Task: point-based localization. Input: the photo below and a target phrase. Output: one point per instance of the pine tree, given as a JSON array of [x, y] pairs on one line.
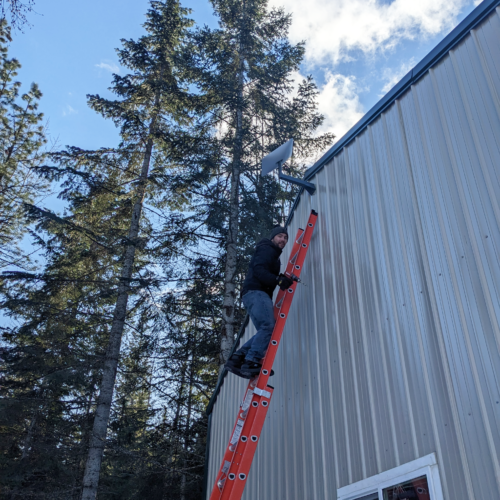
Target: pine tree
[[150, 98], [54, 358], [103, 188], [54, 353], [21, 139], [244, 70]]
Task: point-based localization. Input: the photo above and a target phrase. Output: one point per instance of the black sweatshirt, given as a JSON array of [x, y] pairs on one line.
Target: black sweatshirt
[[264, 268]]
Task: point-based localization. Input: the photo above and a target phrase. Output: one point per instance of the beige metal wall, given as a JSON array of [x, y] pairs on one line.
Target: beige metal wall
[[392, 350]]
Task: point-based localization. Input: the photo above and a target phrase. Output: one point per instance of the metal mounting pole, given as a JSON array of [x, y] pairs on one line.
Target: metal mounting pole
[[308, 186]]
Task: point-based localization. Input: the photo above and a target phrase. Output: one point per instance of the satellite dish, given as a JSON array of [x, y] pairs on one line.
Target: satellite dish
[[277, 157]]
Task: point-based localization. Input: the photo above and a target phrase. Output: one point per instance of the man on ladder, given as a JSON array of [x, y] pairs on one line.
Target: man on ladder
[[262, 277]]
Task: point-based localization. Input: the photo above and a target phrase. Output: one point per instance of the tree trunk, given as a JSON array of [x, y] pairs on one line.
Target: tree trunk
[[187, 439], [98, 440], [31, 430], [174, 441], [84, 445], [228, 310]]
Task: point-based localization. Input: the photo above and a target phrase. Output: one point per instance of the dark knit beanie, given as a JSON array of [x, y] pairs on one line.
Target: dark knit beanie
[[278, 230]]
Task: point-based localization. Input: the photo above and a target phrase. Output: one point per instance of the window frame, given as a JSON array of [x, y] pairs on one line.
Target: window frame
[[426, 465]]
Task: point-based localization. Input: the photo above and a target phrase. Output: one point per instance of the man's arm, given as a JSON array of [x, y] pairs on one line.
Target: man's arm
[[263, 261]]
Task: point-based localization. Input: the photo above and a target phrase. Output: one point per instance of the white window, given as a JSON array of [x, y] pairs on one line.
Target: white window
[[417, 480]]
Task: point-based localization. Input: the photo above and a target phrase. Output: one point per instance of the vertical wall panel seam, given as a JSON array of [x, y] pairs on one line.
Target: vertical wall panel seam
[[416, 321], [313, 362], [309, 361], [296, 457], [379, 324], [302, 412], [316, 365], [396, 318], [339, 347], [471, 357], [378, 327], [325, 309], [359, 293], [309, 444], [286, 425], [355, 371]]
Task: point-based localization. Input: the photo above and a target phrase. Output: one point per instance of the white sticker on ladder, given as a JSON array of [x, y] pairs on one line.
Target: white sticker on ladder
[[237, 431], [246, 402]]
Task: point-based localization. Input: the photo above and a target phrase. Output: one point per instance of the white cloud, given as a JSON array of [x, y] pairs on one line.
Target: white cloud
[[68, 110], [392, 75], [109, 66], [339, 102], [334, 29]]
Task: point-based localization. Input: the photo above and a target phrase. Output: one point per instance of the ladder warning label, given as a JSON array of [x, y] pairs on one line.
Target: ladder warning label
[[237, 431], [246, 402]]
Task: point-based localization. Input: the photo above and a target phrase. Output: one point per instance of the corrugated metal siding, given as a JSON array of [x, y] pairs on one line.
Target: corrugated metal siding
[[392, 350]]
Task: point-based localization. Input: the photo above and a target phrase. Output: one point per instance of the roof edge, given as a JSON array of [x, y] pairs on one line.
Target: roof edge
[[482, 11]]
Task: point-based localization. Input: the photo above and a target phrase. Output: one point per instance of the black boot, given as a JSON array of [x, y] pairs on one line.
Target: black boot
[[233, 364], [250, 369]]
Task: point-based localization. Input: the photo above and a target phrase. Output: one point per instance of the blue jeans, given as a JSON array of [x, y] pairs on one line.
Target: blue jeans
[[261, 310]]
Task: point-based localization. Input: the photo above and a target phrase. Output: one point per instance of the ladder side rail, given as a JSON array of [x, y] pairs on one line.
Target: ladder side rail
[[241, 476], [298, 262], [233, 488], [231, 447], [288, 270]]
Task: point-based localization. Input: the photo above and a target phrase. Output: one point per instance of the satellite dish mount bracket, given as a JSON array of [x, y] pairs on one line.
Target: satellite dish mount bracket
[[308, 186]]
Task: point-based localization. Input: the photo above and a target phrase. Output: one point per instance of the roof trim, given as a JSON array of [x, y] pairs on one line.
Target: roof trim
[[482, 11]]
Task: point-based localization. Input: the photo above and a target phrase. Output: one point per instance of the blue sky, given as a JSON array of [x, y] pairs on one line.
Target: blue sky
[[356, 50]]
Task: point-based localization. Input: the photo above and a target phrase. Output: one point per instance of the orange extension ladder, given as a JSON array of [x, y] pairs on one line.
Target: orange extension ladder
[[233, 473]]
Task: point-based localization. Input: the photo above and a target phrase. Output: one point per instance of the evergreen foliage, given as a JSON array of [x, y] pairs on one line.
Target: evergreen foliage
[[114, 346], [55, 353], [21, 139]]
